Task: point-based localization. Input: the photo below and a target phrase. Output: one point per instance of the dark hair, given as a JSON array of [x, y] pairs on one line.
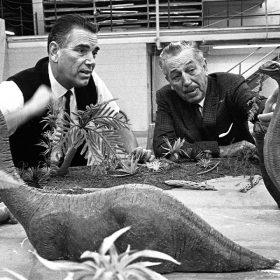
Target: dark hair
[[65, 24], [174, 48]]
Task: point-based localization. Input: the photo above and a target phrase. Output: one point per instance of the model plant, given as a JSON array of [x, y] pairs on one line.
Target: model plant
[[255, 101], [108, 264], [94, 129], [175, 151]]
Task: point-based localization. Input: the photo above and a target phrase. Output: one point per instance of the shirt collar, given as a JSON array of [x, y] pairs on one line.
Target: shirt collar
[[57, 89], [201, 103]]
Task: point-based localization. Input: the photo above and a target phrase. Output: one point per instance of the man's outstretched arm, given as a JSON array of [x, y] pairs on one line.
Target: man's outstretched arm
[[33, 107]]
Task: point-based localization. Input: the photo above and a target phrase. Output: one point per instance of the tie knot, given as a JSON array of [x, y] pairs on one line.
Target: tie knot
[[197, 107], [68, 94]]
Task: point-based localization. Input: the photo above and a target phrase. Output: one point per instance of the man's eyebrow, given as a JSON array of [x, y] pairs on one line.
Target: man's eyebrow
[[189, 62], [83, 46], [185, 65], [86, 46], [174, 71]]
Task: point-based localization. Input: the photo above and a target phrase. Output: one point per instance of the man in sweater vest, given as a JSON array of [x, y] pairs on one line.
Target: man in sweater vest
[[69, 67]]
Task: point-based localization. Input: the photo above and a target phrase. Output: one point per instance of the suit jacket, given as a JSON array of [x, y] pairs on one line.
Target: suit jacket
[[24, 142], [225, 115]]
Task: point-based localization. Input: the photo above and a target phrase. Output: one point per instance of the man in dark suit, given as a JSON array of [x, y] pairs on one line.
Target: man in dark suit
[[210, 111]]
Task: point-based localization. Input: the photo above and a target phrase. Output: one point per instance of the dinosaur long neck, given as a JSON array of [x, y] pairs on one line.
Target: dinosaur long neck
[[271, 146], [21, 200]]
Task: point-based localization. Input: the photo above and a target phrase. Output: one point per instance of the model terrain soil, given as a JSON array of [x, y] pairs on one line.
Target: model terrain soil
[[80, 178]]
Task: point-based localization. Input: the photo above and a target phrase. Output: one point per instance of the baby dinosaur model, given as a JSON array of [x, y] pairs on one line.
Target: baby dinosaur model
[[268, 144], [61, 226]]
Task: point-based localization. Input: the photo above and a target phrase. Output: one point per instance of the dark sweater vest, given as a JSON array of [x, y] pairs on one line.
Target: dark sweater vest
[[24, 142]]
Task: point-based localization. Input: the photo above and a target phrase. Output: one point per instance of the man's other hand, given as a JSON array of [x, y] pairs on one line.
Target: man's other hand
[[33, 107], [142, 155], [40, 100], [269, 108], [236, 149]]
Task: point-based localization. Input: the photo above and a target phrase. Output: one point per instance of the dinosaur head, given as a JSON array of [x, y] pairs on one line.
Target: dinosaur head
[[272, 69]]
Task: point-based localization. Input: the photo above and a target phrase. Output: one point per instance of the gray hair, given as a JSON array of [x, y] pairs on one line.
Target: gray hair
[[174, 48]]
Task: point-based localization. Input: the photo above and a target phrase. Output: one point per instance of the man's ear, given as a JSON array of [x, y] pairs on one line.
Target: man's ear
[[205, 67], [167, 79], [53, 51]]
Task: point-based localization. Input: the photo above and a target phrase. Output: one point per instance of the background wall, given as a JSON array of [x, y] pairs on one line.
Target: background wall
[[124, 69]]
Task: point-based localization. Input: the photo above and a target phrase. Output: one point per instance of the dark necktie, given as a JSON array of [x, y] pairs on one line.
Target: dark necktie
[[67, 97], [197, 115]]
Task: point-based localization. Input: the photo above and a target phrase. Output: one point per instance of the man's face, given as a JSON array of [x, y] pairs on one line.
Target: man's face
[[187, 76], [76, 58]]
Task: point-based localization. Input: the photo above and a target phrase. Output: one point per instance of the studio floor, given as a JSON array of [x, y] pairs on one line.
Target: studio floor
[[251, 219]]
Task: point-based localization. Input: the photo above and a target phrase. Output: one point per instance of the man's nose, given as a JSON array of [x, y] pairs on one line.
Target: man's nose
[[186, 80], [90, 59]]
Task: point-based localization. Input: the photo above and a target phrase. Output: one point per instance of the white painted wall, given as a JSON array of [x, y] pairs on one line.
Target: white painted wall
[[124, 68]]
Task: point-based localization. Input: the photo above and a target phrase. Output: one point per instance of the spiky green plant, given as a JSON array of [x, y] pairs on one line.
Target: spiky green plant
[[35, 176], [108, 264], [194, 154], [205, 163], [48, 144], [156, 165], [94, 129], [128, 167], [51, 119], [174, 151], [16, 275]]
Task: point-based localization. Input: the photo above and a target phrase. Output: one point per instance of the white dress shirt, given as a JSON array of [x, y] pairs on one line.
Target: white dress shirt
[[201, 103]]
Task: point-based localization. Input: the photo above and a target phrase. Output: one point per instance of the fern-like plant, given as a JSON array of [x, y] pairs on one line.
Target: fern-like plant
[[94, 129]]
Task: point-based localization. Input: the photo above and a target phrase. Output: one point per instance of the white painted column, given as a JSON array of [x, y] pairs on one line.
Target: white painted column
[[2, 47], [157, 26], [38, 16]]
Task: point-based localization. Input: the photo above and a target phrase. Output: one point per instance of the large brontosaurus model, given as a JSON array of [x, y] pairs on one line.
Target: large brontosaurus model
[[268, 143], [64, 226]]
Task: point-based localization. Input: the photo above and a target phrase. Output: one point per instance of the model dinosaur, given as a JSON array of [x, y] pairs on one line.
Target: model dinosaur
[[62, 226], [268, 141]]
